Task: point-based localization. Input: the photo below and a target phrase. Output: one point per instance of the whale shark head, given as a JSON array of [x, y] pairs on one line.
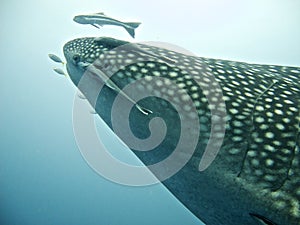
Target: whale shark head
[[82, 52], [255, 175]]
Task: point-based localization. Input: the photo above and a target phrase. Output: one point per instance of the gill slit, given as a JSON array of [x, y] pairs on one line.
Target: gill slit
[[252, 125]]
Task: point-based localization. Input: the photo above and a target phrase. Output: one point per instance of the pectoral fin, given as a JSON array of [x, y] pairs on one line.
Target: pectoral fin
[[96, 25]]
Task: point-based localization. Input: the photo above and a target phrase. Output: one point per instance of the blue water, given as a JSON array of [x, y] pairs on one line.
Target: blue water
[[43, 178]]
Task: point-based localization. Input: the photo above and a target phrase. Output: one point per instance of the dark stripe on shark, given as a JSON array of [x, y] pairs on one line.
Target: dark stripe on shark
[[262, 219]]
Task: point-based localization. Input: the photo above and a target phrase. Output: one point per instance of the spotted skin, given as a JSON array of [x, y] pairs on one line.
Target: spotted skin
[[257, 169]]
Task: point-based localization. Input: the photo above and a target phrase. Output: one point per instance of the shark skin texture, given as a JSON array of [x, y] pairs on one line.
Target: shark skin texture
[[255, 176]]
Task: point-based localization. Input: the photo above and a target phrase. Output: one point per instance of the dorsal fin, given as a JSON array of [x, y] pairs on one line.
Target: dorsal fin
[[100, 13]]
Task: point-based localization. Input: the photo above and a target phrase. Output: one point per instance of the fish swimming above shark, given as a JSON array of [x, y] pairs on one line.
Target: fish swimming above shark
[[255, 176], [100, 19], [55, 58]]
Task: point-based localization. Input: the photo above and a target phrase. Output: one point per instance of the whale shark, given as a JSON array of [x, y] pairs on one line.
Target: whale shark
[[251, 173]]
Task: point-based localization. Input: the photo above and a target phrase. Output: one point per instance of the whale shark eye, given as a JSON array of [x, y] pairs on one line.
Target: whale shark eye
[[76, 58]]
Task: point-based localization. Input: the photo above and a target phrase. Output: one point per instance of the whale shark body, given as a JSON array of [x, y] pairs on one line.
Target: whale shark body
[[254, 178]]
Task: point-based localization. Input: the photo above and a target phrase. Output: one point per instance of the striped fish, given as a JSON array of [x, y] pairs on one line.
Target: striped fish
[[100, 19]]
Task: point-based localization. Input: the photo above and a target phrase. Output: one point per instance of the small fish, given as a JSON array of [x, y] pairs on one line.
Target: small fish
[[55, 58], [93, 112], [60, 71], [81, 96], [100, 19]]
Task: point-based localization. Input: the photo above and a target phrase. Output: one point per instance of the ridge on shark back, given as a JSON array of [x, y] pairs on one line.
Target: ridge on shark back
[[255, 177]]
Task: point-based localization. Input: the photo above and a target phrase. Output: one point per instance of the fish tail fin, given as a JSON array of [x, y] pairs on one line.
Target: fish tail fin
[[133, 25], [130, 31], [130, 28]]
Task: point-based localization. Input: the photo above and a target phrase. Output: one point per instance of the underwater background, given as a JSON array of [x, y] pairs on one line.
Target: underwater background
[[43, 177]]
